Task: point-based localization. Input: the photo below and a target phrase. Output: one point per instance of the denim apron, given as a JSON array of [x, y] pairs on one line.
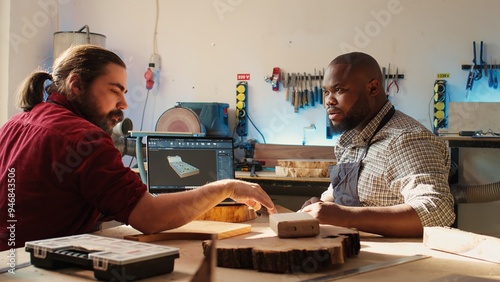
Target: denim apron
[[344, 177]]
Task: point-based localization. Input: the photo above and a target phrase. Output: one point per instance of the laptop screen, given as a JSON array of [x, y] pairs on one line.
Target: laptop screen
[[179, 163]]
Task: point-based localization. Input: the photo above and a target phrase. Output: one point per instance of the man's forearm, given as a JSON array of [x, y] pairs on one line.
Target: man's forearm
[[167, 211], [394, 221]]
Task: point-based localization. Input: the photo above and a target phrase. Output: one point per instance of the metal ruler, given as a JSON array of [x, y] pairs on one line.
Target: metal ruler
[[366, 268], [18, 266]]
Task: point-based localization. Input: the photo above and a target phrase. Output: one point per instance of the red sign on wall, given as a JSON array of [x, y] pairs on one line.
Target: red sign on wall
[[243, 76]]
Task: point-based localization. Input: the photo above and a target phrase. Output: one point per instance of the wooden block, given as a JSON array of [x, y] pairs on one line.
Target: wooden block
[[294, 225], [462, 243]]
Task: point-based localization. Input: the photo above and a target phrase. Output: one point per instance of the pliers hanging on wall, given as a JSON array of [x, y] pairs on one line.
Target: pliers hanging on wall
[[475, 72], [394, 80]]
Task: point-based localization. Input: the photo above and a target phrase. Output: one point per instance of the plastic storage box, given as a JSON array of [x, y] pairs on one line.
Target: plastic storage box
[[109, 258]]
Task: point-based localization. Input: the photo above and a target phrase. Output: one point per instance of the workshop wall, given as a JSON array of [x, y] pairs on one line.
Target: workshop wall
[[204, 44]]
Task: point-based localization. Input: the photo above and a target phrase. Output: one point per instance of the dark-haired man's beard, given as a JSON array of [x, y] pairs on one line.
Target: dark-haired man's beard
[[358, 112], [89, 109]]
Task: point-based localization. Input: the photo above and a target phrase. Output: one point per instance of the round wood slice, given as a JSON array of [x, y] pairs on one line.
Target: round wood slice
[[263, 250]]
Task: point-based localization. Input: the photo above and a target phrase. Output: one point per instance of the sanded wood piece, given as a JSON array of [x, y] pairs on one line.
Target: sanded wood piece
[[294, 225], [304, 167], [307, 163], [301, 172], [229, 213], [271, 153], [463, 243], [196, 230], [264, 251]]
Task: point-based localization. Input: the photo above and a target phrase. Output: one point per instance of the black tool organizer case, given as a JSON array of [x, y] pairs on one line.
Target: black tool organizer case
[[109, 258]]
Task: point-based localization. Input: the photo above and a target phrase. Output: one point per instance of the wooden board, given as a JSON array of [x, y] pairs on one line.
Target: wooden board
[[301, 172], [307, 163], [264, 251], [462, 243], [229, 213], [304, 167], [271, 153], [196, 230]]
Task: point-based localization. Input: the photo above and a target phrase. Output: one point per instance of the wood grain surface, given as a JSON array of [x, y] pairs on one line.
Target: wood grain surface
[[463, 243], [307, 163], [196, 230], [229, 213], [262, 250], [271, 153], [304, 167]]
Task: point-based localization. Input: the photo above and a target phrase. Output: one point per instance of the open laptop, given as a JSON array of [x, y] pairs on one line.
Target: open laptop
[[180, 163]]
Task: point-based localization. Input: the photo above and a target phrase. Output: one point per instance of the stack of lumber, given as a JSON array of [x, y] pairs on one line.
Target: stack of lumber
[[271, 153], [304, 167]]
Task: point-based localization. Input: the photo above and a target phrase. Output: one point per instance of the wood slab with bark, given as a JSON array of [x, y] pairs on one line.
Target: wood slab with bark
[[263, 250]]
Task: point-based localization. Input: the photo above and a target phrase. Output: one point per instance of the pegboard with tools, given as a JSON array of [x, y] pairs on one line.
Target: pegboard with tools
[[303, 90], [480, 69]]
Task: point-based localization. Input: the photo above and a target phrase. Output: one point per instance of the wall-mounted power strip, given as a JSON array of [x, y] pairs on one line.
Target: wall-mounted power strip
[[241, 108]]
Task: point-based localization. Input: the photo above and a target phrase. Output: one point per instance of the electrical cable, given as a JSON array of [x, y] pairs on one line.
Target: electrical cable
[[149, 75], [234, 130], [144, 110], [257, 129], [155, 41], [142, 122], [431, 116], [251, 121]]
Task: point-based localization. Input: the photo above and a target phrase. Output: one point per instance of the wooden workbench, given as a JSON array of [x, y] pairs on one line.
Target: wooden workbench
[[439, 267]]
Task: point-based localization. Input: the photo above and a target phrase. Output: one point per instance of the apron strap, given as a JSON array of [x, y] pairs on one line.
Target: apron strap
[[383, 122]]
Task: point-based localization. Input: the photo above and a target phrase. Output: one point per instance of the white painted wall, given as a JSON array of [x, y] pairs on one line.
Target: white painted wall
[[30, 24], [205, 43], [4, 57]]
